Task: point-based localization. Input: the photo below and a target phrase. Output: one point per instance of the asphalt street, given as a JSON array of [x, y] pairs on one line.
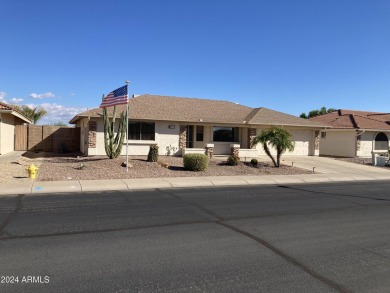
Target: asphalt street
[[324, 237]]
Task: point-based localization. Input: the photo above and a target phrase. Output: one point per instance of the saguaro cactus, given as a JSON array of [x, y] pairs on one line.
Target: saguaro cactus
[[113, 142]]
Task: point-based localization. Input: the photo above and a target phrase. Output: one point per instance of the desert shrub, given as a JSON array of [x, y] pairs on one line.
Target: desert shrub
[[153, 153], [195, 162], [254, 162], [233, 160], [62, 149]]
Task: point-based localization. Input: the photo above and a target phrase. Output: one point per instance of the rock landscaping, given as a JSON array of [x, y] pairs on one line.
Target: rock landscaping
[[53, 167]]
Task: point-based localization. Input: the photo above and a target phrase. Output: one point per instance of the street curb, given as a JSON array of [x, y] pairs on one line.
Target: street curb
[[72, 186]]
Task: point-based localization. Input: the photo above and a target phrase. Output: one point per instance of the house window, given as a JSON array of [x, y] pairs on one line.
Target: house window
[[228, 134], [141, 130], [199, 133], [323, 134], [381, 142]]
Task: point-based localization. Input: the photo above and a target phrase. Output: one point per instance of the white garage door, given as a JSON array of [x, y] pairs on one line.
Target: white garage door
[[302, 140]]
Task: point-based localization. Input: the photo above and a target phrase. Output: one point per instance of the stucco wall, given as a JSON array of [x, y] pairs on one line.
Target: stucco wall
[[164, 137], [366, 144], [7, 133], [338, 143]]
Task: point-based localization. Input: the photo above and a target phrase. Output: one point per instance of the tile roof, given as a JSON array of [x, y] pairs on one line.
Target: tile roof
[[5, 107], [350, 119], [13, 110], [167, 108]]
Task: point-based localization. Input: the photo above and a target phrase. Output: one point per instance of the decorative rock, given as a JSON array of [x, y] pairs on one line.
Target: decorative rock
[[125, 165]]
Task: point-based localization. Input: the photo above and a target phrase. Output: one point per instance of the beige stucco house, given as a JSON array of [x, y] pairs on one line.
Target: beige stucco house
[[9, 117], [190, 125], [354, 133]]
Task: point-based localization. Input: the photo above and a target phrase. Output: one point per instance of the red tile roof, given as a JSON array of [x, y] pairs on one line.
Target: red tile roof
[[5, 107], [13, 110], [350, 119]]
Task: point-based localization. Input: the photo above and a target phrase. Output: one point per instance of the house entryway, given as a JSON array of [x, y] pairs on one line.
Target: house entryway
[[190, 136]]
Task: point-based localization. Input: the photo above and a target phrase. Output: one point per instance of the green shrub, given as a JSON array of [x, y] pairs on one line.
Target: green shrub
[[195, 162], [153, 153], [233, 160], [254, 162]]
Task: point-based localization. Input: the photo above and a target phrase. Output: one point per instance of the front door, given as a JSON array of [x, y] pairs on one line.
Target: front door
[[190, 136]]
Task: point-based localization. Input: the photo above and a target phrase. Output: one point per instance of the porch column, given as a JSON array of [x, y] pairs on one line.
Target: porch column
[[317, 143], [209, 149], [235, 150], [251, 137], [183, 137], [92, 134]]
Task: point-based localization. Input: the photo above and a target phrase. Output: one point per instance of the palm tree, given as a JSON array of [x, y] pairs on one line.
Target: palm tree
[[278, 138], [34, 114]]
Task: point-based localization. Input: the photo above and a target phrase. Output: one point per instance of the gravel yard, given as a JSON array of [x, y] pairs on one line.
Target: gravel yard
[[53, 167]]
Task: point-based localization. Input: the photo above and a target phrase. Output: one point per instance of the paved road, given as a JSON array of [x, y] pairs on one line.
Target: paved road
[[295, 238]]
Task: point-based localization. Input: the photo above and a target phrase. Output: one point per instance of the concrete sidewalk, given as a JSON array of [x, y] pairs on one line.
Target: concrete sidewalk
[[36, 187], [326, 170]]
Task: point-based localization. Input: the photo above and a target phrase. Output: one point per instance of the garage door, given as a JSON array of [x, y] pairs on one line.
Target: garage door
[[302, 140]]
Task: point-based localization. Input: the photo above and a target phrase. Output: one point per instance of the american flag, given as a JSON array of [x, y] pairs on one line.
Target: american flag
[[116, 97]]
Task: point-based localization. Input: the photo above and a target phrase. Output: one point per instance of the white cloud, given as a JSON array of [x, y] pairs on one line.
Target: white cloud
[[16, 100], [42, 96], [2, 97], [57, 113]]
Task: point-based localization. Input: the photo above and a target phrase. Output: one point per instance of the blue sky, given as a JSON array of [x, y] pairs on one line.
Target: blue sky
[[292, 56]]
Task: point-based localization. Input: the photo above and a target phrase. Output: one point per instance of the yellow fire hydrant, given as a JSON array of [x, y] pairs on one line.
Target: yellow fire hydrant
[[32, 171]]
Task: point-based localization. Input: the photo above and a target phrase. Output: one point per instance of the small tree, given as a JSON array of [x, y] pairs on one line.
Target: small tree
[[113, 142], [34, 114], [278, 138], [314, 113]]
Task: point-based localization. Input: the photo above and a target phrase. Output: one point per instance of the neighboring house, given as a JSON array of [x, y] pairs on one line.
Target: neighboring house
[[354, 133], [189, 125], [9, 117]]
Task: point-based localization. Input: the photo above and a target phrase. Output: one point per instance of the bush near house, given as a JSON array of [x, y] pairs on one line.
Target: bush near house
[[254, 162], [153, 153], [233, 160], [195, 162]]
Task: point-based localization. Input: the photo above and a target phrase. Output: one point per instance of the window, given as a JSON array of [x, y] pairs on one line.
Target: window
[[228, 134], [199, 133], [323, 134], [381, 141], [141, 130]]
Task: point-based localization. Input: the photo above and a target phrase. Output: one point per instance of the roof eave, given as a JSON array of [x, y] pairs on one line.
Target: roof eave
[[293, 125], [17, 114]]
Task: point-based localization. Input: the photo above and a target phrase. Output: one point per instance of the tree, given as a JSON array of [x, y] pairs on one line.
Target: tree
[[278, 138], [314, 113], [113, 142], [34, 114]]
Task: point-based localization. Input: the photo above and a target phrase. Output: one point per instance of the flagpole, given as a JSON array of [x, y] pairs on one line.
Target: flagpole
[[127, 128]]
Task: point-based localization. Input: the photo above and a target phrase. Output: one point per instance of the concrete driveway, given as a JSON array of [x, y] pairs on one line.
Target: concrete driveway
[[328, 165]]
